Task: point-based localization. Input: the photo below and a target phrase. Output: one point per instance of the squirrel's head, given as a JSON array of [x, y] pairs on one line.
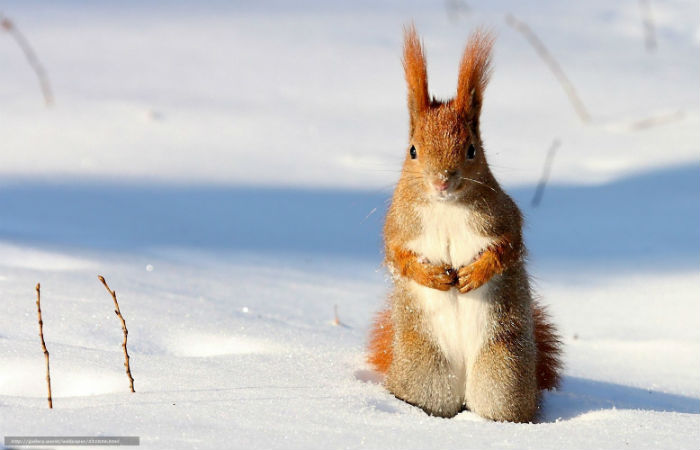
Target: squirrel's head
[[445, 152]]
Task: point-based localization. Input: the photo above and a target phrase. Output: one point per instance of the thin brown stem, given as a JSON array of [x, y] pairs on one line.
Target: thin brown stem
[[648, 23], [336, 320], [656, 120], [7, 25], [43, 344], [546, 169], [126, 332], [456, 8]]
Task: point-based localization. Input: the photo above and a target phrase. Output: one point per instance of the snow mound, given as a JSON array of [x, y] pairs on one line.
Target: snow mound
[[26, 378], [204, 345]]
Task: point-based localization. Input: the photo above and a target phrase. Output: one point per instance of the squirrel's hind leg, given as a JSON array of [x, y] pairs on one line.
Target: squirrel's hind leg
[[419, 373], [421, 376], [501, 384]]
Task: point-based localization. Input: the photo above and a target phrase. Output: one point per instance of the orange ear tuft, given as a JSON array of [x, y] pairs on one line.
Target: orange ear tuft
[[474, 73], [416, 74]]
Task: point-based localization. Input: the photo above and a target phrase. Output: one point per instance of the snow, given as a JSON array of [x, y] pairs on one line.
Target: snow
[[227, 168]]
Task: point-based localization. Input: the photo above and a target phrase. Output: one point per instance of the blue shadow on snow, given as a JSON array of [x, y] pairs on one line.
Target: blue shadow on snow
[[651, 218], [580, 396]]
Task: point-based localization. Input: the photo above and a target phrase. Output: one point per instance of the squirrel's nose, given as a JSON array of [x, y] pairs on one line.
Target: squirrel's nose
[[442, 181], [441, 185]]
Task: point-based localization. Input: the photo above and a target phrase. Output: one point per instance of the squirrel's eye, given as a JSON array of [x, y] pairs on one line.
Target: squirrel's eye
[[471, 152], [413, 152]]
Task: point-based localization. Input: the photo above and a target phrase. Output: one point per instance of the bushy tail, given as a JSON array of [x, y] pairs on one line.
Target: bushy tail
[[548, 343], [381, 341]]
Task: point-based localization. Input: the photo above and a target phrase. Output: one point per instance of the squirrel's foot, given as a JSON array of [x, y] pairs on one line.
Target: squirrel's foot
[[471, 277], [437, 276]]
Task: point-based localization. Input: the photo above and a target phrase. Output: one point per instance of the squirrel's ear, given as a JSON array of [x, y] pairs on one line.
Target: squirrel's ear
[[474, 73], [416, 74]]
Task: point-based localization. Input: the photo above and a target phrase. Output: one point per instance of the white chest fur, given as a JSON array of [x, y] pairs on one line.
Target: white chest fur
[[457, 322], [449, 234]]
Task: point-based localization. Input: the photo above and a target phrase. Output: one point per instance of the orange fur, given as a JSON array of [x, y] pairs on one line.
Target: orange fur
[[416, 74], [380, 342], [548, 343], [474, 73], [549, 363], [490, 262], [435, 276]]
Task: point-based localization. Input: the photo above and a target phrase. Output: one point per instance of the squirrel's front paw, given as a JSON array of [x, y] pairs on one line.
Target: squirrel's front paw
[[471, 277], [437, 276]]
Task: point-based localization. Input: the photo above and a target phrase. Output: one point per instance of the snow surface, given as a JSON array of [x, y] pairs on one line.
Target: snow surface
[[227, 167]]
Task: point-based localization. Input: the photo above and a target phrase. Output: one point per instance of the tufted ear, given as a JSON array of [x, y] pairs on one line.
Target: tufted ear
[[416, 74], [474, 73]]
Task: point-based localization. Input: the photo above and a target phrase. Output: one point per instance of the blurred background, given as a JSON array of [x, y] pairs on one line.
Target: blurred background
[[189, 117], [227, 167]]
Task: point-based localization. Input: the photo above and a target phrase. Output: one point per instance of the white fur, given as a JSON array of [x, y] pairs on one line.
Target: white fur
[[457, 322]]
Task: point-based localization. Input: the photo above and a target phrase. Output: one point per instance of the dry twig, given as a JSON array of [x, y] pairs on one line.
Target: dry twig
[[7, 25], [553, 65], [545, 173], [648, 23], [43, 344], [456, 8], [126, 332], [336, 320], [656, 120]]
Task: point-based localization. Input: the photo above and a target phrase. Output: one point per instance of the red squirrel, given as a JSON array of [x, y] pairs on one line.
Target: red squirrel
[[461, 329]]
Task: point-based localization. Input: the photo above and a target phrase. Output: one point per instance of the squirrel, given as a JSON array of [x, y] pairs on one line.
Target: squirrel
[[461, 329]]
